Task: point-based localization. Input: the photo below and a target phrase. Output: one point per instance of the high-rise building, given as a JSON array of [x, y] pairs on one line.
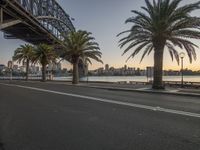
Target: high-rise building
[[106, 67], [125, 67], [149, 72], [10, 64]]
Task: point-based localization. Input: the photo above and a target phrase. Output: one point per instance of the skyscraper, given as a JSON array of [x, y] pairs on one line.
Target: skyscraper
[[106, 67]]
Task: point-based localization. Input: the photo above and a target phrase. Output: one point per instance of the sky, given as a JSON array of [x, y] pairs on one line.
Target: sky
[[105, 19]]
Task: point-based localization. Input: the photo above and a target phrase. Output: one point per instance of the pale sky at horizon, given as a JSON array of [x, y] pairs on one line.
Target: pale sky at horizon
[[105, 19]]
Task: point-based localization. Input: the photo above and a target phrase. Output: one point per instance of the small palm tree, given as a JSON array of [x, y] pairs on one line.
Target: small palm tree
[[44, 54], [79, 45], [163, 25], [24, 54]]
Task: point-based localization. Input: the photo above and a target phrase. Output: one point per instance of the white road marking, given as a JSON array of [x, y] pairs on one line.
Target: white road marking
[[152, 108]]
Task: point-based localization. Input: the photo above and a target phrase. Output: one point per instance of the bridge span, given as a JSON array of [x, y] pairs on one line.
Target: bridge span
[[34, 21]]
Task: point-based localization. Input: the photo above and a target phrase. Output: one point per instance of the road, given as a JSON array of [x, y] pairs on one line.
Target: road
[[51, 116]]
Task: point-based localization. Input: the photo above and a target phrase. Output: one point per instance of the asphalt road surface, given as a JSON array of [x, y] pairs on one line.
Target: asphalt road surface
[[50, 116]]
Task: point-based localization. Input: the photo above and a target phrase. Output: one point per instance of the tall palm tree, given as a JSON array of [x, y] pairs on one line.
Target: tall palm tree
[[24, 54], [44, 54], [163, 25], [79, 45]]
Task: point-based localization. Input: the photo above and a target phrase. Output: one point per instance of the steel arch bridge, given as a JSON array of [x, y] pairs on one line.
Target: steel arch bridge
[[34, 21]]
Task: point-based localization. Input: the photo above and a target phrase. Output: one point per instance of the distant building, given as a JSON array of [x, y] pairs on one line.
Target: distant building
[[34, 69], [22, 69], [106, 67], [2, 67], [15, 68], [50, 67], [111, 71], [59, 66], [10, 64], [143, 72], [125, 67], [100, 71], [137, 73], [37, 68], [54, 67], [149, 72], [171, 73]]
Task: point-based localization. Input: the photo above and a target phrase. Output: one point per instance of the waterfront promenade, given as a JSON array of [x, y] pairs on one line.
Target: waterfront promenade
[[60, 116], [173, 88]]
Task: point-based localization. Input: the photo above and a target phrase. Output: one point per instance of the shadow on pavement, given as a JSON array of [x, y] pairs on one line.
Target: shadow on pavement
[[2, 146]]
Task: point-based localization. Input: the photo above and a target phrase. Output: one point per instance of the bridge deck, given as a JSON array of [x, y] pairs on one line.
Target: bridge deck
[[17, 22]]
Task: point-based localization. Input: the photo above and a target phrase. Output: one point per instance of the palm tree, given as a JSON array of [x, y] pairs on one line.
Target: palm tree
[[163, 25], [24, 54], [44, 54], [79, 45]]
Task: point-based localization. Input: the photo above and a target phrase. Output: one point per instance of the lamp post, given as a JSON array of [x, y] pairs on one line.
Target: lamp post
[[182, 55], [87, 72]]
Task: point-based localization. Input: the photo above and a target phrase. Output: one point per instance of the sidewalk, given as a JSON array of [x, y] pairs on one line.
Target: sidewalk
[[132, 88], [141, 88]]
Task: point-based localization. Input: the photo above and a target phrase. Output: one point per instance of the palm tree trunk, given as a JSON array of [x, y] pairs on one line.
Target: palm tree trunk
[[27, 69], [43, 73], [75, 79], [158, 66]]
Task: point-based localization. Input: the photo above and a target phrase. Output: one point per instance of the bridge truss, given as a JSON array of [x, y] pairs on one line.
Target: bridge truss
[[34, 21]]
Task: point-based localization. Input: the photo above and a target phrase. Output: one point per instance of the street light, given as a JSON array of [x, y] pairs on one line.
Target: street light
[[182, 55], [87, 65]]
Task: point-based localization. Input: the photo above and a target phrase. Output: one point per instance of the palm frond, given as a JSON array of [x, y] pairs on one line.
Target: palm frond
[[173, 53], [81, 45], [23, 53], [163, 21], [147, 51], [138, 49]]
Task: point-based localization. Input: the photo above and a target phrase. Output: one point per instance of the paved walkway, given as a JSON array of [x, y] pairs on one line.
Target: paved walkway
[[141, 88], [132, 88]]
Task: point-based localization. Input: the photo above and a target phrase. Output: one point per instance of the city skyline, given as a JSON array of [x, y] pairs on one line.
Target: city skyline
[[105, 24], [105, 67]]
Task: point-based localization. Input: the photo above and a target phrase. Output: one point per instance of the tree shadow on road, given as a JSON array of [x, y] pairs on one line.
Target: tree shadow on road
[[2, 146]]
